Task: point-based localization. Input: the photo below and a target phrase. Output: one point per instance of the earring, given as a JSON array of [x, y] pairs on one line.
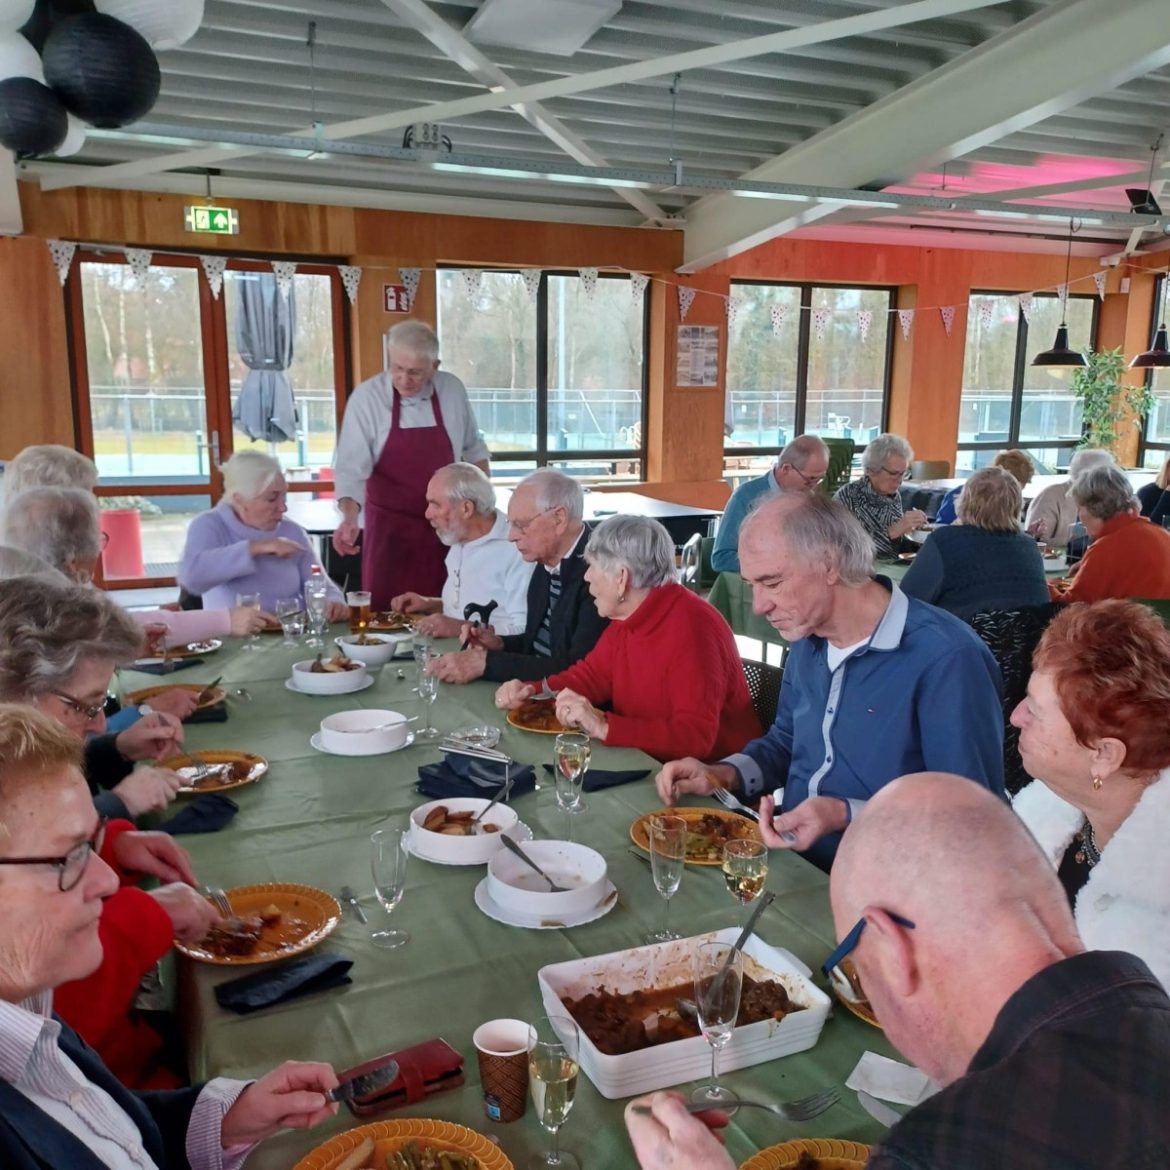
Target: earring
[[1096, 782], [621, 599]]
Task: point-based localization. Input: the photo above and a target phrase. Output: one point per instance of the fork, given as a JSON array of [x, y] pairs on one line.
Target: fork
[[202, 771], [728, 801], [219, 899], [803, 1109]]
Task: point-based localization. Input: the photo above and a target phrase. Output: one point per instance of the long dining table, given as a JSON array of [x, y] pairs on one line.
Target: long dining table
[[309, 820]]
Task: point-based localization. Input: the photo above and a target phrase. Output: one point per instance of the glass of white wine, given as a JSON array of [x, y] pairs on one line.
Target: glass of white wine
[[250, 601], [571, 755], [718, 983], [745, 870], [428, 690], [552, 1079], [388, 856], [668, 859]]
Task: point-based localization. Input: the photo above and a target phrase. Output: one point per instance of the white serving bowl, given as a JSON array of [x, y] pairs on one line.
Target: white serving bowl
[[513, 886], [1052, 564], [377, 655], [364, 733], [475, 850], [339, 682]]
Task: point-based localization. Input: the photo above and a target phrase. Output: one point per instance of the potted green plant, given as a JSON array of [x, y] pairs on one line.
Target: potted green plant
[[1105, 398]]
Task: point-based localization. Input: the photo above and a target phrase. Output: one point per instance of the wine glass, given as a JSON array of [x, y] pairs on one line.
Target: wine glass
[[718, 983], [250, 601], [571, 755], [388, 856], [668, 858], [421, 653], [291, 611], [317, 604], [552, 1078], [428, 691], [745, 870]]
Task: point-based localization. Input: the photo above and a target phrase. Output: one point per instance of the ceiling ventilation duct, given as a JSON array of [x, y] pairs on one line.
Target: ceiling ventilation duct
[[560, 27]]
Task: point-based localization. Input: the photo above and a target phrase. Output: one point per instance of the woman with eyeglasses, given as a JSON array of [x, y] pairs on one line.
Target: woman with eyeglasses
[[874, 498]]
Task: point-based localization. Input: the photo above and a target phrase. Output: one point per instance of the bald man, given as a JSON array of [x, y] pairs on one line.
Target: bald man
[[1051, 1056]]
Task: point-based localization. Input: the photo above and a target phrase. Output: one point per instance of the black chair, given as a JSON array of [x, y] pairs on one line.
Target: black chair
[[764, 686], [691, 564], [1011, 635]]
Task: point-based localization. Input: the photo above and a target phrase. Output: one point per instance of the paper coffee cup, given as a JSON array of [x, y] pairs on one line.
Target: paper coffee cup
[[502, 1049]]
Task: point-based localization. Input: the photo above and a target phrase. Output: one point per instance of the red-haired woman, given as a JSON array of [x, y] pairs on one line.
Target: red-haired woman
[[1094, 733]]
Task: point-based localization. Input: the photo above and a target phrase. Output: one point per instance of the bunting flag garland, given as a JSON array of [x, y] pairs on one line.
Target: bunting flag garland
[[62, 252], [948, 317], [213, 269], [778, 313], [588, 281], [820, 322], [139, 261], [531, 283], [905, 319], [1026, 306], [864, 321], [732, 307], [283, 270], [1062, 296], [685, 297], [472, 278], [410, 277], [638, 283], [986, 308], [1099, 281], [351, 278]]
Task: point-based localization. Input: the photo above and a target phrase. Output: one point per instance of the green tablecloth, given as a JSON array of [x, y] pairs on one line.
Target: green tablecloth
[[309, 821]]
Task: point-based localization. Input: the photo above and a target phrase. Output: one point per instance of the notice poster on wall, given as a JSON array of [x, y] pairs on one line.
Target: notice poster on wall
[[698, 356]]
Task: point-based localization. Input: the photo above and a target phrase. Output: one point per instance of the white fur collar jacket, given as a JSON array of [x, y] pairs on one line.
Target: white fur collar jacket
[[1125, 904]]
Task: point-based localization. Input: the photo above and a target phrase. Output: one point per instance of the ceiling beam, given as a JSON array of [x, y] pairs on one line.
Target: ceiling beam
[[11, 220], [716, 55], [1010, 82]]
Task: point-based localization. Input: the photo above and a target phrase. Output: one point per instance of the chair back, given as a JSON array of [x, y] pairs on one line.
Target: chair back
[[840, 463], [1159, 605], [691, 564], [929, 469], [764, 687]]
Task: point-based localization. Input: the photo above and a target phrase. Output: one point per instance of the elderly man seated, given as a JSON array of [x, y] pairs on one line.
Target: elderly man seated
[[59, 1105], [1129, 556], [1050, 1055], [545, 525], [47, 465], [801, 467], [874, 498], [1052, 513], [482, 564], [876, 684]]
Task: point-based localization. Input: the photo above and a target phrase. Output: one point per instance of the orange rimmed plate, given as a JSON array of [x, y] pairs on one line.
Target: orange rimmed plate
[[256, 767], [389, 1136], [831, 1153], [388, 622], [537, 716], [308, 917], [741, 828], [218, 694], [848, 994]]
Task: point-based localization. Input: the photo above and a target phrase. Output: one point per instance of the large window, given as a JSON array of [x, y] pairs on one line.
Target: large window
[[797, 361], [1156, 434], [1008, 402], [558, 380]]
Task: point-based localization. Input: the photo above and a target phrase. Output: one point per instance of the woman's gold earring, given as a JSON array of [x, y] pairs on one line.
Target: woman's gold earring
[[1097, 782]]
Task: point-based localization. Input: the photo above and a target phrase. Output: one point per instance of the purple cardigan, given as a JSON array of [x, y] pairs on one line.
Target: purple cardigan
[[217, 563]]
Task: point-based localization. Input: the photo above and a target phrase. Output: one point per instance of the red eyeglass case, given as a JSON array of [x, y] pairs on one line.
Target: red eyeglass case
[[424, 1069]]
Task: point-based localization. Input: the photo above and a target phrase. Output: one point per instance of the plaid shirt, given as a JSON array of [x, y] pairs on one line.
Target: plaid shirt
[[1075, 1075], [877, 513]]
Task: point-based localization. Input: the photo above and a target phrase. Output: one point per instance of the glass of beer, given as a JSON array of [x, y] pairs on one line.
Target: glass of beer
[[359, 610]]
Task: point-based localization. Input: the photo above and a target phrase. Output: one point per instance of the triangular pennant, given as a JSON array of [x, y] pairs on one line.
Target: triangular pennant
[[732, 311], [351, 278], [638, 283], [213, 269], [986, 309], [778, 313], [410, 277], [1099, 281], [284, 270], [820, 322], [1026, 306], [905, 319], [864, 321], [1062, 296], [685, 297], [139, 261], [588, 282], [62, 252], [472, 279], [948, 318], [531, 283]]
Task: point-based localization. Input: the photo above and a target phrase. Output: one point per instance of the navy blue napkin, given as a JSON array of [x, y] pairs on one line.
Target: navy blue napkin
[[168, 667], [205, 814], [278, 984], [217, 713], [598, 778], [465, 776]]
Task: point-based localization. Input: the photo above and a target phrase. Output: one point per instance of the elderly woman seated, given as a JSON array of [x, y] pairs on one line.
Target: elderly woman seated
[[1093, 732], [1018, 463], [874, 499], [1129, 556], [59, 1104], [666, 670], [1052, 513], [245, 545], [47, 465], [984, 562]]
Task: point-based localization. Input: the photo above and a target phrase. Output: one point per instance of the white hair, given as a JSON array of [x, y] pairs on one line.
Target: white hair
[[465, 481], [414, 337], [49, 465], [881, 448], [15, 562], [1103, 491], [59, 525], [249, 474], [815, 527], [801, 450], [555, 489], [1090, 457], [637, 543]]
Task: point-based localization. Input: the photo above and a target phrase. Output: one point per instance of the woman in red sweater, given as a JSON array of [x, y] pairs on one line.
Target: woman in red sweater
[[666, 674]]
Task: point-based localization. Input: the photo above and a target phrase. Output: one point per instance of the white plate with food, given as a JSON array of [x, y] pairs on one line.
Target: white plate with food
[[508, 917], [520, 833]]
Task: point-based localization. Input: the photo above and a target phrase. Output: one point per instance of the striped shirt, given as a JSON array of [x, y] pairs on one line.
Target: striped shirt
[[542, 643], [877, 513]]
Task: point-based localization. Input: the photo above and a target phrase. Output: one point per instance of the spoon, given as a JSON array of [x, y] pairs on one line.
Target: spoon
[[511, 845], [766, 899], [503, 792]]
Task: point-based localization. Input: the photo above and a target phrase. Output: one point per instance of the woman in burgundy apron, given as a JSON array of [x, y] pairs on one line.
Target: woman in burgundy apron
[[400, 551]]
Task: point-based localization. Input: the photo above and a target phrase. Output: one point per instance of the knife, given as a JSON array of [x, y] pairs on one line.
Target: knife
[[205, 694], [366, 1084], [348, 897], [878, 1110]]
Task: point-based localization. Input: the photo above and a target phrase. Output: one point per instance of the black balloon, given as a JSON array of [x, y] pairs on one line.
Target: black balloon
[[103, 70], [46, 13], [32, 119]]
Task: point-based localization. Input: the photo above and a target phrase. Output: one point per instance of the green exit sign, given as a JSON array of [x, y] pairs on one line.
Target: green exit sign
[[215, 221]]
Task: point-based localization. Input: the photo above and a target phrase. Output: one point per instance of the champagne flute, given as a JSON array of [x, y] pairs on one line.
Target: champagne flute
[[668, 858], [316, 603], [250, 601], [388, 857], [428, 691], [552, 1077], [291, 611], [745, 870], [571, 754], [718, 970]]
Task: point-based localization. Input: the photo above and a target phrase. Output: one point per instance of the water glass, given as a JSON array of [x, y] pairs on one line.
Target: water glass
[[291, 611], [317, 605], [422, 654], [553, 1066], [668, 859], [389, 853], [718, 971], [250, 601], [745, 870]]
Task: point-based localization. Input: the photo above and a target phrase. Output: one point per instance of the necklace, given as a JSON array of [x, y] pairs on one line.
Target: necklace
[[1087, 852]]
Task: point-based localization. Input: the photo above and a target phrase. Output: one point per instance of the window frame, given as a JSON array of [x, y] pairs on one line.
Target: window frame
[[803, 348], [1145, 443]]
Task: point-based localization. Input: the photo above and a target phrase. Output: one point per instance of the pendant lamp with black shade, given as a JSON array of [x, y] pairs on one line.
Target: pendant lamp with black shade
[[1157, 357], [1060, 355]]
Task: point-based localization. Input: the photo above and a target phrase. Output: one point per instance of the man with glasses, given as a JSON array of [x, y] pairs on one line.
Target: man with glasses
[[801, 467], [59, 1105], [962, 937], [874, 498]]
